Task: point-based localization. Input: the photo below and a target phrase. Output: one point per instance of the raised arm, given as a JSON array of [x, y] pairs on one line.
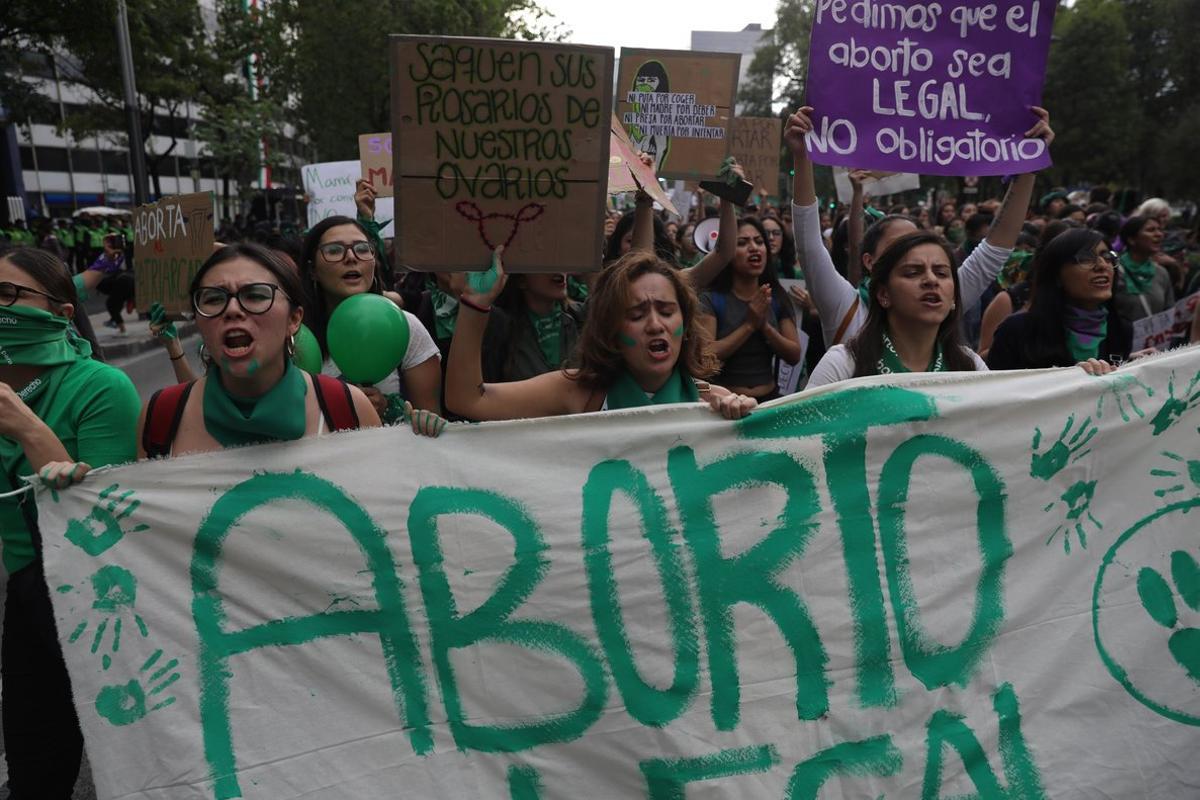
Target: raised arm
[[711, 265], [855, 231]]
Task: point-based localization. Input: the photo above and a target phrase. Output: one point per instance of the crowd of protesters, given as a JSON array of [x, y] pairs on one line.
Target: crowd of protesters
[[999, 283]]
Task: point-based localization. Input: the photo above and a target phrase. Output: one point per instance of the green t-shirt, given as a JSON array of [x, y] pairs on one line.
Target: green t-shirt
[[93, 409]]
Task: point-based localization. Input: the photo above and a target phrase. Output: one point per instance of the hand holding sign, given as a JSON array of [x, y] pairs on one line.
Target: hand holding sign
[[364, 198]]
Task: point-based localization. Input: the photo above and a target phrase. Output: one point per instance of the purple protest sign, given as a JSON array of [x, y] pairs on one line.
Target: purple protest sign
[[941, 88]]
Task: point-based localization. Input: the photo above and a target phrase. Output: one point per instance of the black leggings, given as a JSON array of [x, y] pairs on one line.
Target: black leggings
[[120, 289], [42, 742]]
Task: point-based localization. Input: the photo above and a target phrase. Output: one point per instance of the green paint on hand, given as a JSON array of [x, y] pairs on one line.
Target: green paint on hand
[[1173, 408], [1158, 599], [1046, 465], [101, 528], [626, 340], [125, 704]]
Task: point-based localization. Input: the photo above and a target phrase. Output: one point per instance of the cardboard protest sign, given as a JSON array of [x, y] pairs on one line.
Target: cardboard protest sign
[[881, 184], [172, 238], [330, 190], [627, 173], [500, 142], [858, 587], [677, 106], [756, 145], [1162, 330], [375, 156], [932, 88]]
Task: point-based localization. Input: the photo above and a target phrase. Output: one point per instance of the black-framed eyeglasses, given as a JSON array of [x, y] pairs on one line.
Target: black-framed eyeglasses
[[774, 234], [254, 298], [11, 293], [336, 251], [1089, 258]]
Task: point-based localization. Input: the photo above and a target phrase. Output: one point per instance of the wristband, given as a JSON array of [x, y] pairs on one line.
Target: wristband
[[176, 358], [481, 309]]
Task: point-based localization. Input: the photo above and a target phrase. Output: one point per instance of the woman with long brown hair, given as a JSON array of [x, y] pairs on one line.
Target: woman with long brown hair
[[642, 344]]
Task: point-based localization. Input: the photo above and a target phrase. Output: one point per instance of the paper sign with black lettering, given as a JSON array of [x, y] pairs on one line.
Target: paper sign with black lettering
[[500, 142], [933, 88], [677, 106], [172, 238], [329, 192], [857, 592], [375, 156]]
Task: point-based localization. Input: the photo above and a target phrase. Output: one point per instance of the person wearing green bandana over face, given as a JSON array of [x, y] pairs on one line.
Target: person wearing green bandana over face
[[61, 413], [913, 319], [1143, 286], [247, 313], [642, 344], [1072, 318]]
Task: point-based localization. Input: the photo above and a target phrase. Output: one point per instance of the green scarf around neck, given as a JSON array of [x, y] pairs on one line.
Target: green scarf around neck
[[890, 362], [32, 337], [548, 330], [626, 393], [1139, 275], [864, 291], [278, 415], [445, 310]]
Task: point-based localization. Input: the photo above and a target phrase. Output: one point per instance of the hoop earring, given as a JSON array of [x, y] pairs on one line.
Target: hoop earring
[[205, 358], [291, 345]]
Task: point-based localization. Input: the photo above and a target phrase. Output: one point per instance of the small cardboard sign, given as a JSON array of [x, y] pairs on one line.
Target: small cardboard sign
[[880, 184], [500, 142], [627, 173], [375, 156], [756, 146], [172, 238], [677, 106], [1166, 328]]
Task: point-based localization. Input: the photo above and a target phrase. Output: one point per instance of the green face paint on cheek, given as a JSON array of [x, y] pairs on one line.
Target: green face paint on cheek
[[252, 367], [678, 331], [627, 340]]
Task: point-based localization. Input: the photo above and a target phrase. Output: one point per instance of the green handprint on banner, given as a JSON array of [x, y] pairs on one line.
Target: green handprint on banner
[[1121, 388], [101, 528], [1077, 500], [1048, 464], [1159, 601], [1175, 477], [116, 592], [1173, 407], [125, 704]]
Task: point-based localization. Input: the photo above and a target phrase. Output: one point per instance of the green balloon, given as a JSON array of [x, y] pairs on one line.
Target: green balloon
[[367, 336], [308, 351]]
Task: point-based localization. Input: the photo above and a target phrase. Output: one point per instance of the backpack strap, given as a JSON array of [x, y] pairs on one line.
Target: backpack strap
[[163, 414], [717, 299], [846, 320], [336, 402]]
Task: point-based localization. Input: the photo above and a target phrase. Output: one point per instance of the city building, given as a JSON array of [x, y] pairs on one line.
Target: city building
[[746, 42]]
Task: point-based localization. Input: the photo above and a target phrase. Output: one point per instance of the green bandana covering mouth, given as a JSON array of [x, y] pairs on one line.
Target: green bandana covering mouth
[[548, 330], [1139, 275], [889, 361], [625, 392], [32, 337], [278, 415]]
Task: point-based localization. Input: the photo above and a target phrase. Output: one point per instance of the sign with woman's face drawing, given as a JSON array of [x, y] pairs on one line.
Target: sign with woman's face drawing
[[677, 106]]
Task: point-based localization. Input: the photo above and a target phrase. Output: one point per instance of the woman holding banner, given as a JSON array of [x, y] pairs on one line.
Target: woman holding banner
[[913, 319], [1072, 316], [842, 310], [642, 344], [339, 261], [61, 413], [749, 317], [248, 312]]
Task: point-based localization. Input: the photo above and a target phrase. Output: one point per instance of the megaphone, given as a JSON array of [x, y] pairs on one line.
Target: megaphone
[[705, 234]]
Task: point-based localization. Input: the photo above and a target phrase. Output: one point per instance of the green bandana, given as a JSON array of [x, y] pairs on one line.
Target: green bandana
[[278, 415], [889, 362], [864, 291], [1138, 275], [625, 392], [577, 290], [445, 310], [548, 330], [1015, 269], [31, 337]]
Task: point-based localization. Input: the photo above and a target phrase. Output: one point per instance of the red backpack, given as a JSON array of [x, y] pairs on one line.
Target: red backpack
[[166, 410]]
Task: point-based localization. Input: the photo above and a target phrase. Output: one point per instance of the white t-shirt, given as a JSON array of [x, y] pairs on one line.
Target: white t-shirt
[[421, 348], [838, 365]]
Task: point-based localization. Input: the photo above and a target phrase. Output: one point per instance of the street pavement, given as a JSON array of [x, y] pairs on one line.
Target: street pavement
[[145, 361]]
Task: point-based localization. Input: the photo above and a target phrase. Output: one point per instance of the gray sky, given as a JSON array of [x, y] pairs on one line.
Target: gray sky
[[666, 25]]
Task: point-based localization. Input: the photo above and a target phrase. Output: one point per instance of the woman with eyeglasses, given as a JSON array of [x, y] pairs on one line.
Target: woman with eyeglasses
[[61, 413], [1071, 318], [248, 312], [339, 261], [750, 318]]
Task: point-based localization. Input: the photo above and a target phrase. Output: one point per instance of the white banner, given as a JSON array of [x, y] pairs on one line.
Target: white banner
[[1160, 330], [980, 584], [330, 190], [881, 184]]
